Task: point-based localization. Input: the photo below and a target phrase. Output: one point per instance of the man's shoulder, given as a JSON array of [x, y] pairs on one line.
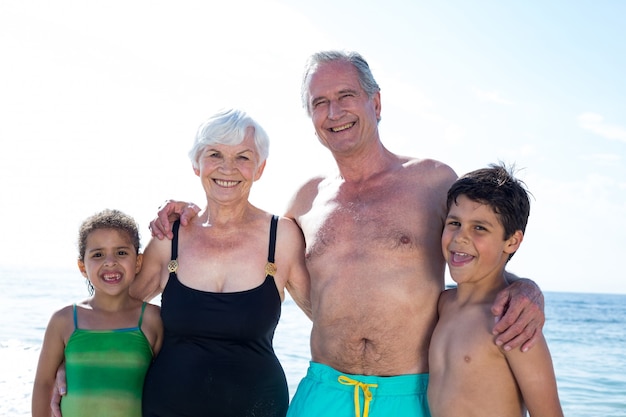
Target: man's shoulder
[[304, 195], [429, 171], [425, 164]]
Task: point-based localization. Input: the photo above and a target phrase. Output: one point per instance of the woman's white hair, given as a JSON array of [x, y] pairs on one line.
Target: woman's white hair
[[228, 127]]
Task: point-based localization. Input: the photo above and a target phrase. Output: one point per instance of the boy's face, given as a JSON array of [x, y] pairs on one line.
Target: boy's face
[[473, 241]]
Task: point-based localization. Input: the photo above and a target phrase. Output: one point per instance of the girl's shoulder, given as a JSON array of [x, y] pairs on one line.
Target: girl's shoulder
[[62, 322], [64, 313]]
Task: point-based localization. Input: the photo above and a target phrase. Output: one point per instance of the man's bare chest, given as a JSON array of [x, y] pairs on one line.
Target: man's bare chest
[[361, 226]]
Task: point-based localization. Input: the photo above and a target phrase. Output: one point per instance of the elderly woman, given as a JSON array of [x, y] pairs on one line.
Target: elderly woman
[[223, 278]]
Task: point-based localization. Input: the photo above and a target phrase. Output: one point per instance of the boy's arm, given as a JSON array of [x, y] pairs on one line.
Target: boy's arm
[[519, 314], [50, 357], [534, 374]]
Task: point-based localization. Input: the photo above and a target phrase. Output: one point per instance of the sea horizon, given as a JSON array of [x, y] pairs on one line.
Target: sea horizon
[[585, 333]]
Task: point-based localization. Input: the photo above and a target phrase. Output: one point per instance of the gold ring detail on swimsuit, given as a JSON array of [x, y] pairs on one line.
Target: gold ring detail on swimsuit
[[172, 266], [270, 268]]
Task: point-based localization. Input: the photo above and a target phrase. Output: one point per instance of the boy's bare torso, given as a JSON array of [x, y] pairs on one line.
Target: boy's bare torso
[[469, 376]]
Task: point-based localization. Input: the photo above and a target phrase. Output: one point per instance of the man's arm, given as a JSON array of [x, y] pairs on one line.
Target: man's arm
[[519, 312], [169, 212]]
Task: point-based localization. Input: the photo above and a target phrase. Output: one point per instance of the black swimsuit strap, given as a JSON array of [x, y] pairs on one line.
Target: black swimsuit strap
[[175, 240], [272, 248]]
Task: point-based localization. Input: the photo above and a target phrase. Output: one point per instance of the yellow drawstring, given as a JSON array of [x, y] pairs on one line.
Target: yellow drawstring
[[366, 394]]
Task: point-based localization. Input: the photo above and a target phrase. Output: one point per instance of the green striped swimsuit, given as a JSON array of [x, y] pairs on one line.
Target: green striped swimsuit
[[105, 371]]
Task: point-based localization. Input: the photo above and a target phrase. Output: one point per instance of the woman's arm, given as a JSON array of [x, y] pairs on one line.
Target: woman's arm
[[153, 276], [297, 278]]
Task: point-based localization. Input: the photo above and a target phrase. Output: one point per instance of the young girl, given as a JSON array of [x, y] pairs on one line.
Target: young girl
[[107, 341]]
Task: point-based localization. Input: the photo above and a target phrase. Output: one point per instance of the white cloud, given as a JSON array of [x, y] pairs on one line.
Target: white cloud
[[595, 123], [491, 96]]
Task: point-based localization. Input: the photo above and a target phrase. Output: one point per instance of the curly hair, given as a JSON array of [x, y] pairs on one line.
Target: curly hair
[[108, 219]]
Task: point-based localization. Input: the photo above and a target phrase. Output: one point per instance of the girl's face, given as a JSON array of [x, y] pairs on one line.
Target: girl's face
[[111, 261]]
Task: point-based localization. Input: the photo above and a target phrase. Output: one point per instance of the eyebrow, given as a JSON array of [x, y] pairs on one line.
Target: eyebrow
[[349, 90], [213, 149], [472, 221], [116, 248], [340, 92]]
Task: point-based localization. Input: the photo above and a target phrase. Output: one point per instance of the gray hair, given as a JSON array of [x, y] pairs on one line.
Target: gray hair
[[228, 127], [366, 79]]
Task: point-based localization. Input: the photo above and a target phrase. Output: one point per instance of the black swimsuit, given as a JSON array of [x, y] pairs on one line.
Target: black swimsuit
[[217, 357]]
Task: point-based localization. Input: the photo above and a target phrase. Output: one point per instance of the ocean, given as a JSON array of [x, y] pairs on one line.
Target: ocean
[[586, 334]]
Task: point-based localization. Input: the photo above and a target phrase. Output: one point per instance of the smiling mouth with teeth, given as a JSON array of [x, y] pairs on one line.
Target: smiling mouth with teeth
[[340, 128], [461, 256], [111, 277], [227, 184]]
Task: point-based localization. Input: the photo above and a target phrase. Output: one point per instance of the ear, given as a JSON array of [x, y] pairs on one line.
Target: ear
[[196, 171], [139, 263], [81, 267], [512, 244], [377, 104], [260, 170]]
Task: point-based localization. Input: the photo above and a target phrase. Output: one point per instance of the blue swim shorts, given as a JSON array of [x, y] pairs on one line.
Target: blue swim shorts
[[327, 392]]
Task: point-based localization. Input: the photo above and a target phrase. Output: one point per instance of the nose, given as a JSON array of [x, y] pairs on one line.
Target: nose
[[335, 111], [110, 260], [227, 165], [460, 235]]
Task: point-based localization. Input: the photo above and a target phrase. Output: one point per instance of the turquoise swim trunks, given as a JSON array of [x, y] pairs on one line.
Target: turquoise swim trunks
[[327, 392]]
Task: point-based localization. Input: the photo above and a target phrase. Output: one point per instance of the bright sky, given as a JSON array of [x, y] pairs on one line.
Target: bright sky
[[99, 102]]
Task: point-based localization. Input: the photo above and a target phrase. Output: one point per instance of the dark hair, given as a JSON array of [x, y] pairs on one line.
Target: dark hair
[[496, 187], [366, 79], [108, 219]]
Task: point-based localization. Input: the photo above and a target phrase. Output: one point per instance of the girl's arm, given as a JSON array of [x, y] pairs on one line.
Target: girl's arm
[[52, 354], [535, 377]]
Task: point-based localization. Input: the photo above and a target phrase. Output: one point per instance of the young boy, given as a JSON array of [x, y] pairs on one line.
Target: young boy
[[469, 375]]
